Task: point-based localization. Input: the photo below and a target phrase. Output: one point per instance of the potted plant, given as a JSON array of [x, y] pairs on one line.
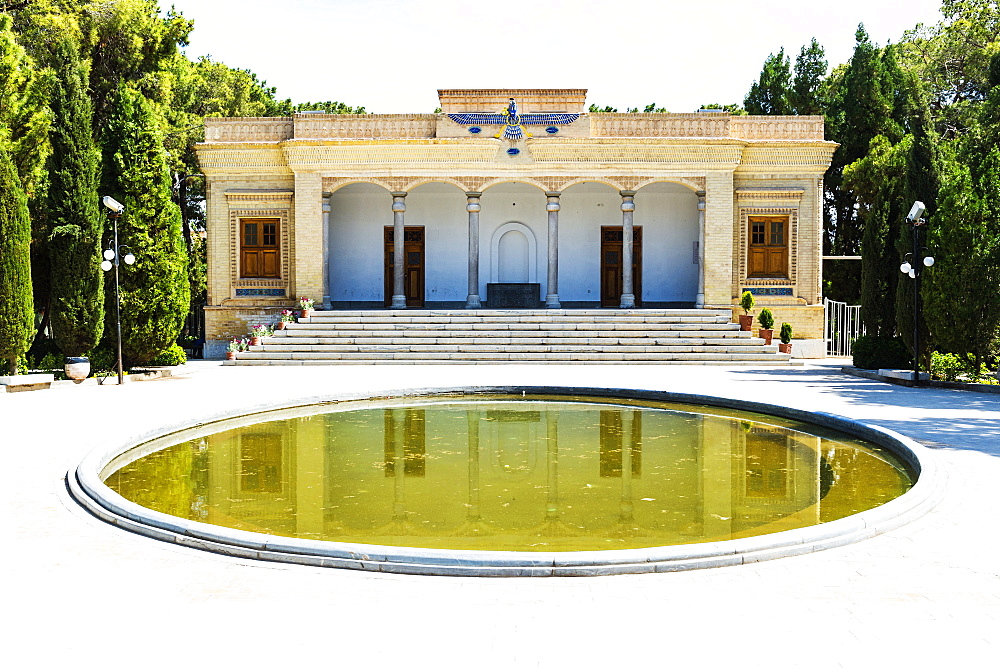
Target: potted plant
[[306, 305], [746, 303], [257, 332], [786, 339], [287, 316], [235, 346], [766, 320]]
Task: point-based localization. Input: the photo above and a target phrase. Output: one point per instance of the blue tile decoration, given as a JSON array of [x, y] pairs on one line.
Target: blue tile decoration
[[260, 292], [769, 292], [475, 129], [513, 151], [552, 129]]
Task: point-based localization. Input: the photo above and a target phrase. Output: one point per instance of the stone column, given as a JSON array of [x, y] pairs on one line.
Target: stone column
[[307, 237], [552, 279], [326, 254], [473, 207], [628, 208], [398, 244], [700, 299]]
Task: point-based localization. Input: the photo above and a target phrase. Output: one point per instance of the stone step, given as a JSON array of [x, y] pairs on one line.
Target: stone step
[[550, 313], [769, 362], [297, 344], [380, 319], [293, 328], [515, 356], [314, 335]]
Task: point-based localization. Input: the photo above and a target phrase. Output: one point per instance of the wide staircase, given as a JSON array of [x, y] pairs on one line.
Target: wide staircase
[[642, 336]]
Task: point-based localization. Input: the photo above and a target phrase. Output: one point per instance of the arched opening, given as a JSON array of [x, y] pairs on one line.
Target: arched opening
[[513, 257]]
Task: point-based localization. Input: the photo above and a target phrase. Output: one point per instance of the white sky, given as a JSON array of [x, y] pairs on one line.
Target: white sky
[[391, 56]]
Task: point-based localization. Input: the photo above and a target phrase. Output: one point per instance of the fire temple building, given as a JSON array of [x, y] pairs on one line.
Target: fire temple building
[[514, 199]]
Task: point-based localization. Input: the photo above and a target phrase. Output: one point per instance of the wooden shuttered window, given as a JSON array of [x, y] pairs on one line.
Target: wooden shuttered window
[[768, 249], [259, 257]]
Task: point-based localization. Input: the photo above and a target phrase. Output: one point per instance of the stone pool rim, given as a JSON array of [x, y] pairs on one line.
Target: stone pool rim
[[86, 487]]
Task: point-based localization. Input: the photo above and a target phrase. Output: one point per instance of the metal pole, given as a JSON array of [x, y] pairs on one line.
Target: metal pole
[[916, 299], [118, 304]]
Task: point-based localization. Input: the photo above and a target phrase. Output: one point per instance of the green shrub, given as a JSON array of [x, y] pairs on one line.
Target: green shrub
[[786, 333], [747, 302], [103, 359], [766, 318], [873, 352], [946, 366], [172, 356]]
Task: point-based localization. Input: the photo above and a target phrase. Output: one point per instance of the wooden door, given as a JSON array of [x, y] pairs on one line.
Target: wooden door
[[413, 265], [611, 265]]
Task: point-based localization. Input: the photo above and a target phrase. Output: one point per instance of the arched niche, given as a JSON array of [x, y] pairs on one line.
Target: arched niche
[[521, 249]]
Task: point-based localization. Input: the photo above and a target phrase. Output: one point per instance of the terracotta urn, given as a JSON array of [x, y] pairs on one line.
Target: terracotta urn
[[230, 354], [767, 335], [746, 323], [307, 313], [281, 324], [254, 340], [785, 348]]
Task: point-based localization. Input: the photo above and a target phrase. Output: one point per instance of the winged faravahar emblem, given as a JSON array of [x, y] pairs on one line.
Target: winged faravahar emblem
[[512, 120]]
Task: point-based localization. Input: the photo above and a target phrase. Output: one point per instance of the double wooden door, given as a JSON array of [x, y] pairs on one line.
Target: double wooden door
[[611, 265], [413, 264]]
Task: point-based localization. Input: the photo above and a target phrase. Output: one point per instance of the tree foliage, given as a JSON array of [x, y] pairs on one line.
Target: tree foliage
[[17, 316], [154, 291], [769, 95], [77, 299]]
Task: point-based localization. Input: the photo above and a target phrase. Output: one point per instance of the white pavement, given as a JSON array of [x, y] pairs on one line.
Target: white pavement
[[78, 590]]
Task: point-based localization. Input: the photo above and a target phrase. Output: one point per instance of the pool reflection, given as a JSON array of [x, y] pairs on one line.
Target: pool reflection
[[513, 476]]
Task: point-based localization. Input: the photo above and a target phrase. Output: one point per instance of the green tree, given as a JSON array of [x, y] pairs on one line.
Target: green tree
[[960, 292], [17, 316], [805, 96], [769, 95], [77, 292], [154, 291]]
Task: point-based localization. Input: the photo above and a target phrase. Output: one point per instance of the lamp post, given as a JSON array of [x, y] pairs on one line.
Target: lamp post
[[112, 257], [911, 267]]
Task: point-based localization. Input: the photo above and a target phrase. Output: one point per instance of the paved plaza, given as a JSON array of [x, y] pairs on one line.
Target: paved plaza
[[74, 588]]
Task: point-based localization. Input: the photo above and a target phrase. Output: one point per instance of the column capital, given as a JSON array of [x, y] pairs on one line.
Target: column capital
[[627, 193], [399, 194], [473, 194], [552, 193]]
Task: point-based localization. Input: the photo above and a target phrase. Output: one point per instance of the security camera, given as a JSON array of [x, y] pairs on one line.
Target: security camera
[[916, 212], [113, 204]]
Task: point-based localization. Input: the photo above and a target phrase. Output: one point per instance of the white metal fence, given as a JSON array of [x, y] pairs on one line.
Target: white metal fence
[[841, 324]]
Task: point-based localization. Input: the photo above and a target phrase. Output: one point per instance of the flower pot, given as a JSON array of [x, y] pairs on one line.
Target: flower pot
[[230, 354], [281, 324], [77, 368], [307, 313], [254, 340], [746, 323], [785, 348], [767, 335]]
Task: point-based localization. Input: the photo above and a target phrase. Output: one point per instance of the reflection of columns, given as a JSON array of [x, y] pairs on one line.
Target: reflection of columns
[[473, 207], [717, 443], [625, 513], [398, 244], [472, 419], [326, 254], [398, 464], [628, 207], [700, 299], [308, 438], [552, 457], [552, 280]]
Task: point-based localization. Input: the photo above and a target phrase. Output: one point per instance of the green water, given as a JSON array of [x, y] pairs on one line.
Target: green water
[[506, 473]]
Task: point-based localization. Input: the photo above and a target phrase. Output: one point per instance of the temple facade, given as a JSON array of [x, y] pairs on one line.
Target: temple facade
[[514, 198]]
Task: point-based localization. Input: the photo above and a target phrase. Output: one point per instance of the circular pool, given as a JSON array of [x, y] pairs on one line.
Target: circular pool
[[514, 481]]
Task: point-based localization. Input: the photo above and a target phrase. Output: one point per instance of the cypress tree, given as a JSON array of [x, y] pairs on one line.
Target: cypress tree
[[769, 95], [17, 316], [77, 284], [154, 291]]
